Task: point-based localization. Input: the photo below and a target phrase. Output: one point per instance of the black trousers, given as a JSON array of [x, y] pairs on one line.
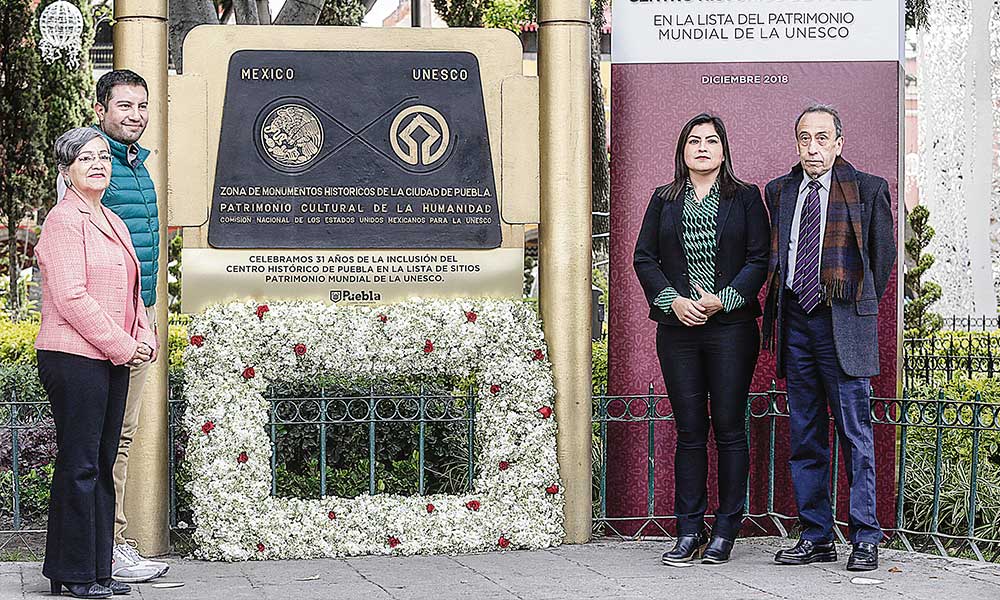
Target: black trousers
[[709, 367], [88, 403]]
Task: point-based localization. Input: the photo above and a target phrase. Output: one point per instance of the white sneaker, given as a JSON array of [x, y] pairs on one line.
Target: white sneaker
[[129, 567]]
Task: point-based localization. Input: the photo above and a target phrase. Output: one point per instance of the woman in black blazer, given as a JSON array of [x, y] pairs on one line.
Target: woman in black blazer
[[701, 258]]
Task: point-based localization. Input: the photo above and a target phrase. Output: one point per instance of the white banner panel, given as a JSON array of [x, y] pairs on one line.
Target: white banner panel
[[706, 31]]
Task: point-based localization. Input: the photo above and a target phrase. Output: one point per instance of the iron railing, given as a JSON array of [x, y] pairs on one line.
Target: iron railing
[[944, 447], [922, 427]]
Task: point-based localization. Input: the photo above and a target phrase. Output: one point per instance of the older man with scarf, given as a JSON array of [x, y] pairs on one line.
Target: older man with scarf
[[832, 251]]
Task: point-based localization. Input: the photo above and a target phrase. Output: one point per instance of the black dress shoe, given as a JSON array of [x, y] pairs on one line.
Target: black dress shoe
[[117, 588], [806, 552], [718, 551], [686, 548], [80, 590], [864, 557]]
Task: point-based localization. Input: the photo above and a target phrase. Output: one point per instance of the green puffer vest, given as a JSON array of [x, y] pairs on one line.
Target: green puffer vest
[[132, 197]]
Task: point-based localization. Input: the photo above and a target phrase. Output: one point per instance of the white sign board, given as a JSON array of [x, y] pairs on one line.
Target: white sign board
[[712, 31]]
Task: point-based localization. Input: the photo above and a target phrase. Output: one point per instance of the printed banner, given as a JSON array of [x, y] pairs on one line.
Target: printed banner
[[758, 87], [708, 31]]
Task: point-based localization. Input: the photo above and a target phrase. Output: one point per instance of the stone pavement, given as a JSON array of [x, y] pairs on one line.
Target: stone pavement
[[619, 570]]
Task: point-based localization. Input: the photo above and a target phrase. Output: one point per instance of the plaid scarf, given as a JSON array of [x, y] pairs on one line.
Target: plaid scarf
[[842, 268]]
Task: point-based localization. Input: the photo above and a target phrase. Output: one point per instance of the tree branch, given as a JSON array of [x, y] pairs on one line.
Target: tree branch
[[246, 12], [300, 12], [185, 15], [264, 12]]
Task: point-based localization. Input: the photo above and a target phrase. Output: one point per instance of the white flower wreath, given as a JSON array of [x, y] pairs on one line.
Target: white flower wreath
[[237, 350]]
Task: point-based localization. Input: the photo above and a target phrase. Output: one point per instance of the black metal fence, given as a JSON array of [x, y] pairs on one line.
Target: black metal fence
[[337, 442]]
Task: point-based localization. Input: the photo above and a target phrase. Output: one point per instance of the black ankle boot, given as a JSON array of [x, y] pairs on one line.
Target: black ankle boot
[[117, 587], [686, 548], [80, 590], [718, 551]]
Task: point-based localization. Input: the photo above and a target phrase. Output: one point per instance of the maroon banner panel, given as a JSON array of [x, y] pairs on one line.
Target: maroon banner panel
[[759, 103]]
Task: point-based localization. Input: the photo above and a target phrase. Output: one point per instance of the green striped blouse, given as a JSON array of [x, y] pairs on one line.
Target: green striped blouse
[[700, 249]]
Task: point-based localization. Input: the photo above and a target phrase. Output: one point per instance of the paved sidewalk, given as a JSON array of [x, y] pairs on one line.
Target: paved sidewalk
[[619, 570]]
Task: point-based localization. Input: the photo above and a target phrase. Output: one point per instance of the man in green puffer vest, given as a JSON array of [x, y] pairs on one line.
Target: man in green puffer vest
[[121, 107]]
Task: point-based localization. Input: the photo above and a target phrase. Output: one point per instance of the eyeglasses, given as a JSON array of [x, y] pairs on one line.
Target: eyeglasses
[[88, 158]]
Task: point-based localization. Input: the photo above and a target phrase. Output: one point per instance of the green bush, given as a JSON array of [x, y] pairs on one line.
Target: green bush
[[956, 464], [34, 496], [599, 375], [17, 341]]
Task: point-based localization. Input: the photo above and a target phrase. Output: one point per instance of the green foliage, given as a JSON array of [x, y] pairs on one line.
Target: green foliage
[[177, 341], [956, 465], [342, 12], [22, 379], [23, 169], [34, 493], [918, 320], [174, 272], [508, 14], [599, 375], [25, 308], [461, 13], [17, 341]]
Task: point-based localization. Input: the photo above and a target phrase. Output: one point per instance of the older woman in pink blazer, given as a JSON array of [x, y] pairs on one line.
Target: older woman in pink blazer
[[93, 329]]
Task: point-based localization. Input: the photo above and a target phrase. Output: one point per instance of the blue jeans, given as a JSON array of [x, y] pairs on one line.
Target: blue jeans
[[815, 382]]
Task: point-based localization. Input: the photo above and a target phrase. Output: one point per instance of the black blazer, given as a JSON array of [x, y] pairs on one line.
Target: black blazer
[[743, 236]]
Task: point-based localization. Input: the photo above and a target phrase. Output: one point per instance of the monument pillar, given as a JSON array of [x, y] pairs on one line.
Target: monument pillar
[[565, 242], [140, 44]]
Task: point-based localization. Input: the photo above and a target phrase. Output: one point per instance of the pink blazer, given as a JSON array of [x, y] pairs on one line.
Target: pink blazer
[[83, 285]]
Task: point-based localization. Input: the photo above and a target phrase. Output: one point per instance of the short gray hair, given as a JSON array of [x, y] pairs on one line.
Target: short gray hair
[[822, 108], [68, 145]]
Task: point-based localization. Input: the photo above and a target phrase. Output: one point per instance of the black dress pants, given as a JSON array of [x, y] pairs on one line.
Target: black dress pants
[[709, 367], [88, 403]]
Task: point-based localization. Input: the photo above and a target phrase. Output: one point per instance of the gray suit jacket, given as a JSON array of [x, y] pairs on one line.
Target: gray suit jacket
[[855, 323]]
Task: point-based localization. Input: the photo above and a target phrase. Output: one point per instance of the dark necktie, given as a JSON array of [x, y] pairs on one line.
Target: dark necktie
[[805, 284]]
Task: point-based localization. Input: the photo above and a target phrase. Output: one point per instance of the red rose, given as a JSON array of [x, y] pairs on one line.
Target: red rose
[[242, 458], [197, 340], [545, 411], [249, 373], [428, 347], [207, 427], [382, 318], [260, 547], [393, 542], [537, 354], [552, 489], [300, 349], [472, 505], [494, 389], [261, 310], [430, 508], [471, 316], [503, 542], [504, 465], [331, 515]]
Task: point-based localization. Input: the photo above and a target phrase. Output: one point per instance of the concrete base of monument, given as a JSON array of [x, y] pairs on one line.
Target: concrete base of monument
[[619, 570]]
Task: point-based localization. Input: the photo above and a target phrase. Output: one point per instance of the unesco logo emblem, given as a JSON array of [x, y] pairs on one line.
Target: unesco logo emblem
[[419, 135], [292, 135]]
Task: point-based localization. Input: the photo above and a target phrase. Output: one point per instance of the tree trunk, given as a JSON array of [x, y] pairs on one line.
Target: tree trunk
[[299, 12], [185, 15], [12, 300], [264, 12], [601, 191], [246, 12]]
